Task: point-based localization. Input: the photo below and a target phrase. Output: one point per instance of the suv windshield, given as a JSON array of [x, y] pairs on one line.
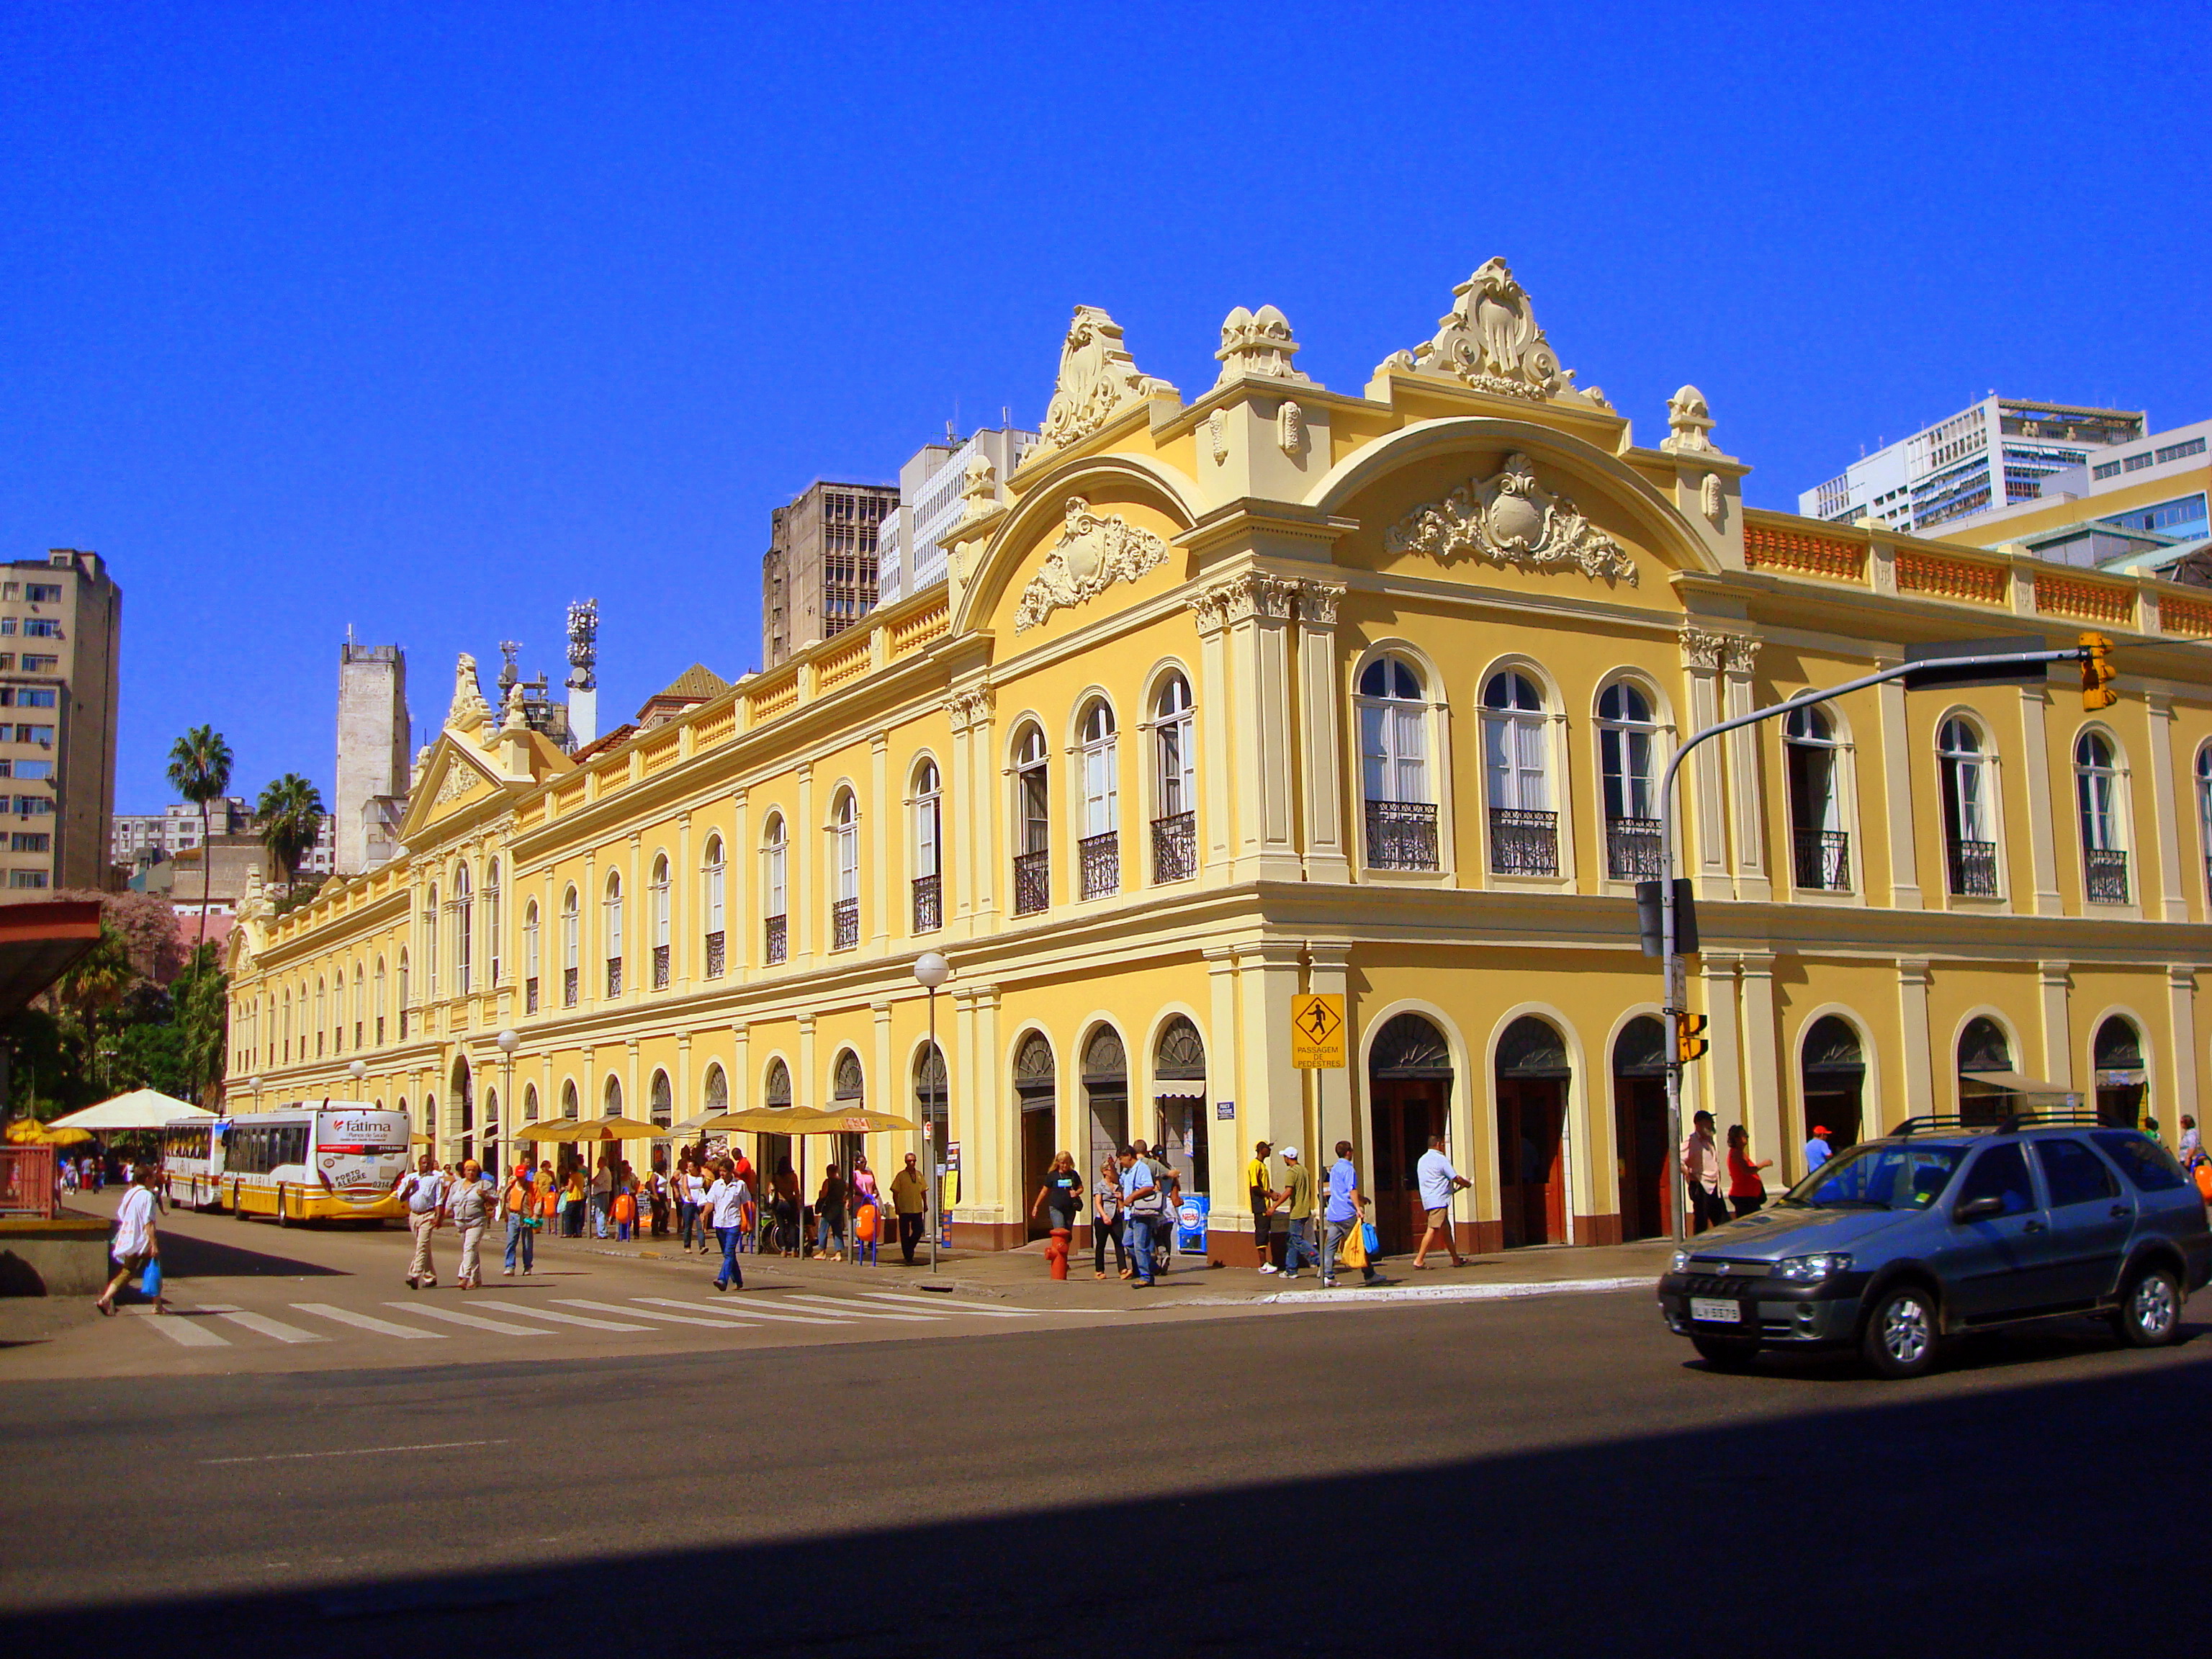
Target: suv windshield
[[1879, 1175]]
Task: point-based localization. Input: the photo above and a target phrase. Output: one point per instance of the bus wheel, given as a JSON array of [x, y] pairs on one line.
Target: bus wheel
[[283, 1220], [237, 1202]]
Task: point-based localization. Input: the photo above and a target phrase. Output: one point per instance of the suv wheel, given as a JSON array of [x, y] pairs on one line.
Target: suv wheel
[[2149, 1313], [1723, 1355], [1900, 1335]]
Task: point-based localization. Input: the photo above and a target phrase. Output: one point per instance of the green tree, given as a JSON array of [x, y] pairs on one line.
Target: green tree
[[199, 771], [203, 1022], [291, 814], [88, 992]]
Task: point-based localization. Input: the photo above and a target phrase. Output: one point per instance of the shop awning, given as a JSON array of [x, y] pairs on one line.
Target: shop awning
[[2011, 1083]]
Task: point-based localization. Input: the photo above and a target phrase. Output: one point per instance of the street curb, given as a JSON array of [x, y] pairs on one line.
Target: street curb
[[1351, 1295]]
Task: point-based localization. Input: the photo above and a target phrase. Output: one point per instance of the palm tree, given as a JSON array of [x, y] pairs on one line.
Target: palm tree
[[199, 771], [291, 813]]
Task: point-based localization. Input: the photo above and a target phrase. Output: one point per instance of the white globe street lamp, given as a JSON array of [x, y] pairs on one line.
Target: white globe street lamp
[[509, 1042], [931, 970], [357, 1071]]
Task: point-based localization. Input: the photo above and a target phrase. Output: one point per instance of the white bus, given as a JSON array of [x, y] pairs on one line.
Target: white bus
[[311, 1162]]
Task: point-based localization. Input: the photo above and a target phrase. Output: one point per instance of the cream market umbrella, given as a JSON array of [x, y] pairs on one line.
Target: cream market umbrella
[[792, 1121], [568, 1129], [141, 1108]]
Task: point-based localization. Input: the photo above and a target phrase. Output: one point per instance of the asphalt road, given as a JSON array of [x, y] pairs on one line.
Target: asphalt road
[[1556, 1476]]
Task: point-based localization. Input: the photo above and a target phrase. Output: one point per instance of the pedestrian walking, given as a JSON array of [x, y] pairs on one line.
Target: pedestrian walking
[[137, 1247], [1817, 1149], [1107, 1221], [1438, 1180], [1059, 1198], [1162, 1231], [469, 1202], [1347, 1208], [624, 1207], [910, 1199], [424, 1192], [785, 1207], [1143, 1205], [656, 1187], [1746, 1187], [1296, 1201], [1701, 1173], [573, 1199], [519, 1209], [829, 1215], [1260, 1190], [601, 1197], [726, 1210]]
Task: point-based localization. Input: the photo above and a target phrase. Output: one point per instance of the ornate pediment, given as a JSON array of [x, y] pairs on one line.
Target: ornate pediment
[[470, 711], [460, 779], [1512, 519], [1258, 343], [1489, 340], [1094, 551], [1097, 377]]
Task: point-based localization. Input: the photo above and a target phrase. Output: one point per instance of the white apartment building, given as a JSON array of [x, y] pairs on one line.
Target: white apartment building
[[176, 828], [1996, 454], [930, 502], [2139, 507]]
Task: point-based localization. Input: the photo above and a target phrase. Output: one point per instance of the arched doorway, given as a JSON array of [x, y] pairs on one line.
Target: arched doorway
[[464, 1111], [848, 1093], [2123, 1084], [932, 1107], [1409, 1079], [1983, 1049], [1105, 1099], [1035, 1085], [1833, 1073], [1640, 1129], [1179, 1096], [775, 1150], [1532, 1114]]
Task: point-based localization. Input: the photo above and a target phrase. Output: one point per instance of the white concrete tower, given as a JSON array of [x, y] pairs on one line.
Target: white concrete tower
[[372, 751]]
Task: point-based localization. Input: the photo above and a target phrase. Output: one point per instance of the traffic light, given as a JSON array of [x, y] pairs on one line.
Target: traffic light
[[2097, 672], [1690, 1045]]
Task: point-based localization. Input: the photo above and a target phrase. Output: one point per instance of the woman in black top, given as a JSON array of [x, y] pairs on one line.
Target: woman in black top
[[830, 1214], [1059, 1198]]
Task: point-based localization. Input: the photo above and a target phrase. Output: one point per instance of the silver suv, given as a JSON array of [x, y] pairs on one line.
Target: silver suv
[[1940, 1228]]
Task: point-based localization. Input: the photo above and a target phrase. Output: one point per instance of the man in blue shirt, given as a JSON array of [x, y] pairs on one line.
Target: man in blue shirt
[[1817, 1150], [1141, 1203], [1347, 1207]]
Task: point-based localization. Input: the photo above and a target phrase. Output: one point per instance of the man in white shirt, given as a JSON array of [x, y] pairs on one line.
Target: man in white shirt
[[424, 1192], [1438, 1181], [135, 1247], [726, 1210]]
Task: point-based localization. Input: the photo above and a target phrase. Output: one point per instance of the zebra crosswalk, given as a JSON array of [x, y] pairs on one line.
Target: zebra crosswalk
[[221, 1325]]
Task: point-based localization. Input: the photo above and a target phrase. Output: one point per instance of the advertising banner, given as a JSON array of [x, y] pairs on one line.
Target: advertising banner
[[1191, 1216]]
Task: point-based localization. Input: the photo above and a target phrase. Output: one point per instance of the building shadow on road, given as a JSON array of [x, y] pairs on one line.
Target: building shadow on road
[[2026, 1516], [186, 1257]]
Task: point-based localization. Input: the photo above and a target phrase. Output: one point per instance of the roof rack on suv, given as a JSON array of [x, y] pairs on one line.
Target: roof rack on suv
[[1952, 1123]]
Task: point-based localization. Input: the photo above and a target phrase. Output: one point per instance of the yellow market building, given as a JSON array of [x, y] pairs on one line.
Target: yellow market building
[[1285, 690]]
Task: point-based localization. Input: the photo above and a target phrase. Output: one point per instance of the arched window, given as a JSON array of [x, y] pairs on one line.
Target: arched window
[[1984, 1049], [845, 871], [491, 920], [928, 814], [572, 946], [1821, 849], [430, 947], [530, 1103], [318, 1018], [662, 1109], [931, 1097], [611, 1100], [360, 1005], [1179, 1097], [658, 896], [2123, 1082], [1627, 749], [2097, 790], [464, 909], [569, 1106], [1033, 835], [530, 958], [402, 995], [1175, 783], [847, 1093], [715, 1097], [777, 1090], [1394, 766], [772, 893], [712, 888], [377, 1002], [1969, 830], [613, 934], [1099, 852], [1524, 829]]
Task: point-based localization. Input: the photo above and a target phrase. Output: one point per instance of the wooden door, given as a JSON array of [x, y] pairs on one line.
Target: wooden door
[[1406, 1112], [1639, 1123], [1531, 1114], [1037, 1162]]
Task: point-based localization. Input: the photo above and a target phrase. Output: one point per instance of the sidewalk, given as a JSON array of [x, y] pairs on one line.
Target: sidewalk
[[1019, 1279]]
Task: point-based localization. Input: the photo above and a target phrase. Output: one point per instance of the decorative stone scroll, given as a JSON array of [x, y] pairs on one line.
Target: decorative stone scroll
[[1097, 376], [460, 778], [1258, 343], [1250, 596], [979, 489], [1513, 519], [470, 710], [1702, 648], [1317, 603], [969, 708], [1094, 551], [1489, 340]]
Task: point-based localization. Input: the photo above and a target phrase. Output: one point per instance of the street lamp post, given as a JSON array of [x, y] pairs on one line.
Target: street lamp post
[[509, 1042], [930, 969], [357, 1071]]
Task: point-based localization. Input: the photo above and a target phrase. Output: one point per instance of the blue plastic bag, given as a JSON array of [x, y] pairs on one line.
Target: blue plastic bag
[[1371, 1239], [151, 1280]]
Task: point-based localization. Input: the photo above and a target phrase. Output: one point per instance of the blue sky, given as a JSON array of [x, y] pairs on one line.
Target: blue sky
[[428, 318]]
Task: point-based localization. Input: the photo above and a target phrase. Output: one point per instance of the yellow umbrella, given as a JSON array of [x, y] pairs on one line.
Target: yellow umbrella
[[791, 1121], [29, 1132], [566, 1129]]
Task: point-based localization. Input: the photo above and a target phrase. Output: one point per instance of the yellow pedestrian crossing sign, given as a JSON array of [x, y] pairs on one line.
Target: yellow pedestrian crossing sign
[[1316, 1031]]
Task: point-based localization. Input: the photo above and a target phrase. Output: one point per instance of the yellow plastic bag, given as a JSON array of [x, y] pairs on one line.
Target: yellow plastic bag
[[1352, 1252]]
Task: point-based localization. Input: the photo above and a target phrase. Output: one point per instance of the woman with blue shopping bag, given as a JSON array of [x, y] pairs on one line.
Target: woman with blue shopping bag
[[1350, 1239], [136, 1248]]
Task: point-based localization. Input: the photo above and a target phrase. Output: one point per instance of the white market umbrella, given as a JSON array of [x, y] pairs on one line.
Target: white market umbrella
[[141, 1108]]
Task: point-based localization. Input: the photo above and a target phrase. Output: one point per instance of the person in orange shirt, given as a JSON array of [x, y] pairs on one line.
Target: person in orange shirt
[[519, 1204]]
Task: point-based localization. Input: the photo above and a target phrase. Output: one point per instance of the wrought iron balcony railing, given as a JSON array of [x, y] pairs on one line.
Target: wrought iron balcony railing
[[1824, 860], [1401, 834], [845, 924], [715, 957], [2108, 874], [570, 985], [1973, 869], [1175, 847], [1032, 881], [1523, 843], [614, 977], [929, 903], [779, 939], [1100, 857], [660, 967], [529, 996], [1631, 849]]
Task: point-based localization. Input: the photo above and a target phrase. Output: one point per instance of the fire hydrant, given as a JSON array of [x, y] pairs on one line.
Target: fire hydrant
[[1056, 1252]]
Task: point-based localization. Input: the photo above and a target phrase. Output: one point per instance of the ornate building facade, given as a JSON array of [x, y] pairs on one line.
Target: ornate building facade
[[1283, 689]]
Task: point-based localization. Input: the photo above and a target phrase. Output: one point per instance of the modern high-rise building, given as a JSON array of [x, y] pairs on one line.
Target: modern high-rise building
[[151, 836], [818, 577], [373, 755], [933, 502], [1980, 460], [2139, 507], [61, 620]]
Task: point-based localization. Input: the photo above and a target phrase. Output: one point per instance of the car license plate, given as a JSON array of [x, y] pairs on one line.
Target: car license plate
[[1715, 1312]]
